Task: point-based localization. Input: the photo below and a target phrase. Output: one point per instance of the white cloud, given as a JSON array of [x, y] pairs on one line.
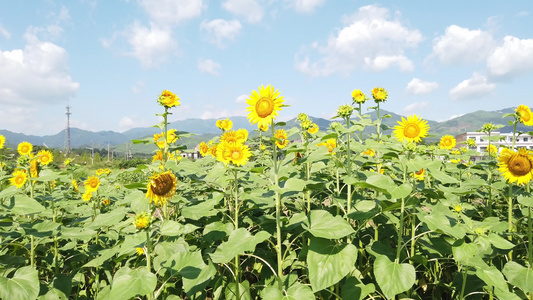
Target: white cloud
[[370, 39], [307, 6], [242, 99], [462, 45], [208, 66], [4, 32], [151, 46], [171, 12], [138, 87], [212, 112], [418, 86], [32, 79], [523, 14], [415, 107], [248, 9], [130, 122], [383, 62], [475, 87], [219, 30], [514, 57]]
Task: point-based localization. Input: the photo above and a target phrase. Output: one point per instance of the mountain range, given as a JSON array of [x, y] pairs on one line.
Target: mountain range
[[205, 129]]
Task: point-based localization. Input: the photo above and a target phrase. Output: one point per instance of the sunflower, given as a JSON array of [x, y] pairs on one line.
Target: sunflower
[[225, 124], [419, 175], [213, 150], [262, 127], [67, 161], [24, 148], [358, 97], [203, 148], [369, 152], [159, 138], [139, 250], [492, 150], [162, 187], [75, 185], [142, 220], [232, 136], [516, 166], [2, 141], [345, 111], [236, 153], [331, 144], [379, 94], [45, 157], [107, 171], [447, 142], [99, 172], [313, 129], [87, 195], [526, 116], [34, 169], [264, 105], [106, 202], [281, 137], [168, 99], [19, 178], [412, 129], [92, 183]]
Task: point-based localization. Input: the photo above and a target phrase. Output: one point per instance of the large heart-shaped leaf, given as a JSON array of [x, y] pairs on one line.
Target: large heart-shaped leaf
[[519, 276], [392, 277], [23, 285], [329, 262], [128, 283], [239, 241], [322, 224]]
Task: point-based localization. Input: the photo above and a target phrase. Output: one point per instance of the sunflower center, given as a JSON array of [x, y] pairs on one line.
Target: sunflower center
[[24, 149], [411, 131], [236, 155], [524, 116], [162, 184], [264, 107], [519, 165], [19, 179]]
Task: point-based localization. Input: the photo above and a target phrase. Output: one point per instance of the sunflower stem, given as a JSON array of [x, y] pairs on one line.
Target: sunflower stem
[[529, 235], [278, 212], [510, 219]]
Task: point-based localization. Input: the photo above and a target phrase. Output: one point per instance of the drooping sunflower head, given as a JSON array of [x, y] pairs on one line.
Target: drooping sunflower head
[[379, 94], [162, 187], [313, 129], [225, 124], [447, 142], [2, 141], [264, 105], [525, 115], [142, 220], [358, 97], [419, 175], [92, 183], [412, 129], [516, 166], [24, 148], [75, 185], [19, 178], [45, 157], [281, 138], [168, 99], [203, 148], [34, 168]]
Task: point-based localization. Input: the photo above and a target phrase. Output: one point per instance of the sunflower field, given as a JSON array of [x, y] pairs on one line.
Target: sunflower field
[[294, 213]]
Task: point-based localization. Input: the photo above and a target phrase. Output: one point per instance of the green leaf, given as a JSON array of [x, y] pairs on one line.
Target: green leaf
[[104, 255], [464, 252], [174, 228], [137, 201], [239, 241], [322, 224], [364, 209], [128, 283], [299, 291], [381, 182], [401, 191], [23, 285], [519, 276], [354, 289], [442, 177], [196, 279], [108, 219], [244, 290], [492, 277], [204, 208], [77, 233], [392, 277], [25, 205], [329, 262], [499, 242], [526, 201]]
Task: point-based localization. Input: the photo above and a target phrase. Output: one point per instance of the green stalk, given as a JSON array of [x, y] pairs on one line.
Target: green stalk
[[400, 232], [149, 257], [464, 284], [529, 237], [349, 166], [236, 224], [413, 229], [378, 127], [510, 219], [278, 212]]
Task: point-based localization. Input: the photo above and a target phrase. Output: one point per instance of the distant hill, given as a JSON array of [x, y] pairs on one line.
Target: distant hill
[[205, 129]]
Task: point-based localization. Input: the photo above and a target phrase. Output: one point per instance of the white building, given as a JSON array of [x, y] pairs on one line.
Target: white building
[[506, 140]]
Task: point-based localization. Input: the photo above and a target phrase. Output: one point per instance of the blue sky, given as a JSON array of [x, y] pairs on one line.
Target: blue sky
[[109, 60]]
